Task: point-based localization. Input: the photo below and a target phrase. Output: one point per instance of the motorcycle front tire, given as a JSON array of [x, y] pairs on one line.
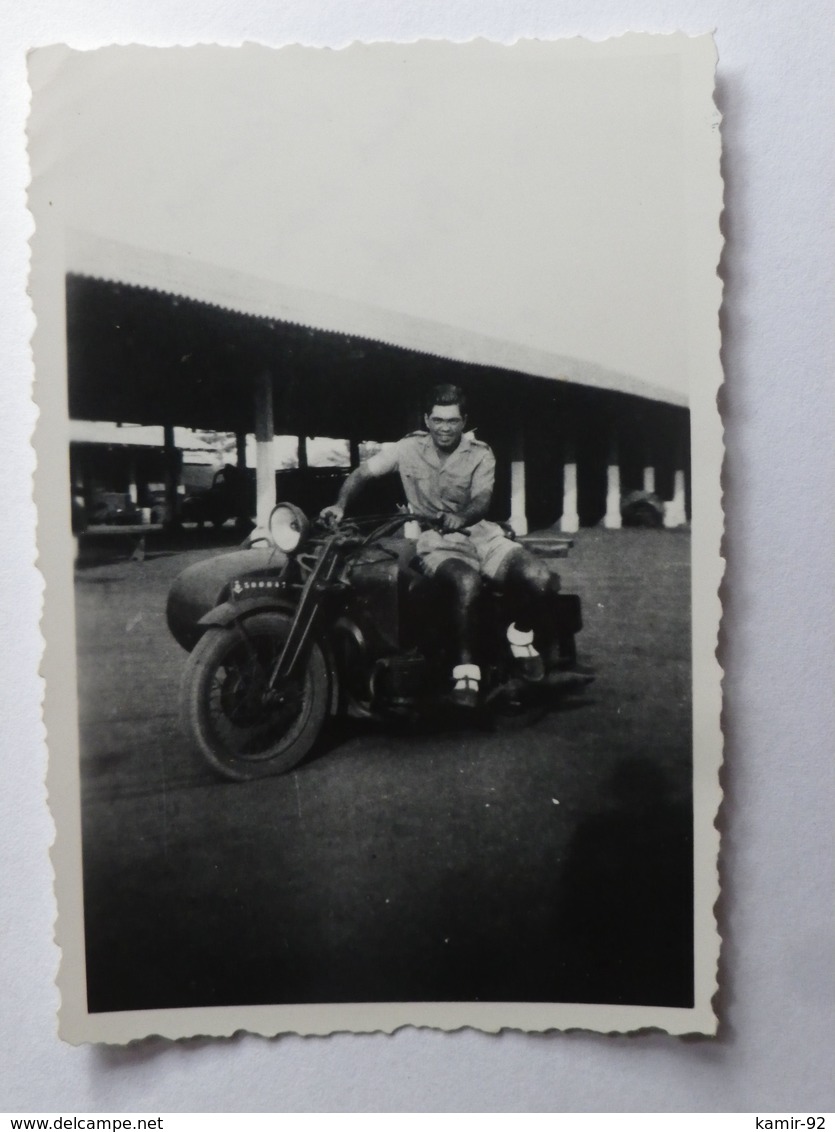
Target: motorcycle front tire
[[255, 749]]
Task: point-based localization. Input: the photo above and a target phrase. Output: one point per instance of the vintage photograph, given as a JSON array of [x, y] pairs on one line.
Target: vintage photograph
[[379, 515]]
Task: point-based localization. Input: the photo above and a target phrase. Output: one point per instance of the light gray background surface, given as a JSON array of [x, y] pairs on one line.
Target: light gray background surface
[[775, 1047]]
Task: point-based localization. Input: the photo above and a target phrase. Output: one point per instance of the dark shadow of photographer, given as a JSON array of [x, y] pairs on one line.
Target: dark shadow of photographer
[[624, 906]]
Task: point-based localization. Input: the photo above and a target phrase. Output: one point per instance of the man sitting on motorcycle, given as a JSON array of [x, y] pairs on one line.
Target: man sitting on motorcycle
[[448, 477]]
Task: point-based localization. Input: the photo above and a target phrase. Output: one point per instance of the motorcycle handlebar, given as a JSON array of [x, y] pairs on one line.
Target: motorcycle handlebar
[[381, 526], [396, 519]]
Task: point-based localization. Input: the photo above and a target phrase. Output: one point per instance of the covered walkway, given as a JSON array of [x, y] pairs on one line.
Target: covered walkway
[[153, 340]]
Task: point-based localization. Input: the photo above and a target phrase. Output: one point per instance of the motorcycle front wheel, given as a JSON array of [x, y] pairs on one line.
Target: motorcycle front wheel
[[241, 729]]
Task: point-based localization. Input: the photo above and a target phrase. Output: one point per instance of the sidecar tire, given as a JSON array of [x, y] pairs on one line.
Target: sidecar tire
[[284, 751]]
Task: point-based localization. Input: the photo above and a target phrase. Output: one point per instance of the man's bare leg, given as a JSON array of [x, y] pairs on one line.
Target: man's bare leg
[[533, 592], [459, 587]]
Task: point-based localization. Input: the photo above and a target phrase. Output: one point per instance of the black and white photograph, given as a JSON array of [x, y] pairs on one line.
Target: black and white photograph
[[380, 512]]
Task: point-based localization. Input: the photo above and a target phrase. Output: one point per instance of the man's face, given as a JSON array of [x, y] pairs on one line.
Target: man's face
[[446, 425]]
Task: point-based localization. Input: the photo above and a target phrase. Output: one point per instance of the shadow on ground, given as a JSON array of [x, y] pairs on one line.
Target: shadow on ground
[[550, 864]]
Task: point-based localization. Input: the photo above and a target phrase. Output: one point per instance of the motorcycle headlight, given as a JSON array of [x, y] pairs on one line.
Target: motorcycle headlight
[[288, 526]]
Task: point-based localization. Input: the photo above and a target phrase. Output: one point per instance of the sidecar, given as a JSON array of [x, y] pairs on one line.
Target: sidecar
[[205, 585], [261, 680]]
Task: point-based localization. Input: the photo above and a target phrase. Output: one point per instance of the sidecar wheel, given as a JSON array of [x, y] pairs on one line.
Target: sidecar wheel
[[224, 711]]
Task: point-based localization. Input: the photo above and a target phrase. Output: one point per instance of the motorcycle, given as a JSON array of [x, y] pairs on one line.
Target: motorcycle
[[315, 620]]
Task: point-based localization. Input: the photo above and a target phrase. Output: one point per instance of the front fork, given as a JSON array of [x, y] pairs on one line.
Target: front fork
[[305, 618]]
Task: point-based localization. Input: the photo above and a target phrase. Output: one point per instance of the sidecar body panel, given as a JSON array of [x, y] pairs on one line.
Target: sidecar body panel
[[205, 585]]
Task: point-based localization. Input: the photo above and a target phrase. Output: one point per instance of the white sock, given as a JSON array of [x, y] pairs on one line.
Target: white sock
[[461, 673], [521, 641]]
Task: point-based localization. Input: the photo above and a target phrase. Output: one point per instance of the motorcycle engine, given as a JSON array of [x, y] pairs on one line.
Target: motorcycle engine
[[398, 681]]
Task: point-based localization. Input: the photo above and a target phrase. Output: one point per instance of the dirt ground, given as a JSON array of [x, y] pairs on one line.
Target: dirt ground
[[550, 864]]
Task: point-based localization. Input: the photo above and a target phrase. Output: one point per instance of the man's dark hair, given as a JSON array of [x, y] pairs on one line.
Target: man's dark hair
[[446, 395]]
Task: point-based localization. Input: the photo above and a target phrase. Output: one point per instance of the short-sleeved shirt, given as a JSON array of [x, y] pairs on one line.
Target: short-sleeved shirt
[[432, 486]]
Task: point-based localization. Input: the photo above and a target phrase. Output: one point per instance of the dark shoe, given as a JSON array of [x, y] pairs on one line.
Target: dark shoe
[[529, 668], [526, 663], [467, 682], [466, 698]]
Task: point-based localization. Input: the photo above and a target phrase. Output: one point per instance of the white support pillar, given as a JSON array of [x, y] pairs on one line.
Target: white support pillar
[[675, 509], [264, 454], [133, 490], [649, 479], [570, 521], [612, 519], [675, 513], [518, 503]]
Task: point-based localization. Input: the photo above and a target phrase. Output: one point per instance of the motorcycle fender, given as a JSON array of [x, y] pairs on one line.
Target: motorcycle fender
[[229, 613]]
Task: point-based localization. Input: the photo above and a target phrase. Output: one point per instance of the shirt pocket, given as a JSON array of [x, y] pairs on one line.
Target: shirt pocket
[[456, 488], [413, 487]]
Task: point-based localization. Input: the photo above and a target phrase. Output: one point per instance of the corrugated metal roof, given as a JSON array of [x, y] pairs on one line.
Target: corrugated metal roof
[[276, 302]]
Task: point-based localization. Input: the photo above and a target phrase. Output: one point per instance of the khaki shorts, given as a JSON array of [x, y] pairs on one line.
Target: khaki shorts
[[486, 548]]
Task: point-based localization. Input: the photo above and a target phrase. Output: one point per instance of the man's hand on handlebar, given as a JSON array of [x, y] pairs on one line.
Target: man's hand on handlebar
[[332, 516], [450, 523], [444, 521]]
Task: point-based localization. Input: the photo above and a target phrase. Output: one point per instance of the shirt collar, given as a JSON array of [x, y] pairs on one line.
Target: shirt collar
[[431, 451]]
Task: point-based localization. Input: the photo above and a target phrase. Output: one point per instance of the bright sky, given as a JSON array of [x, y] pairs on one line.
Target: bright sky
[[538, 202]]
